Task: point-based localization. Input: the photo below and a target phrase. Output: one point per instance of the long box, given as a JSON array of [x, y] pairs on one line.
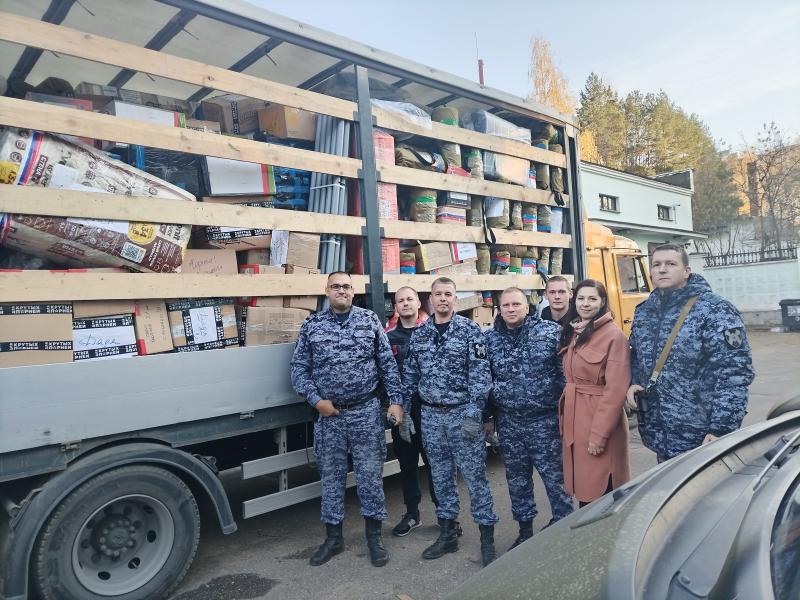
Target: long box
[[432, 256], [287, 123], [35, 158], [151, 322], [304, 302], [293, 248], [101, 95], [236, 114], [264, 325], [35, 334], [202, 324], [103, 338], [146, 114]]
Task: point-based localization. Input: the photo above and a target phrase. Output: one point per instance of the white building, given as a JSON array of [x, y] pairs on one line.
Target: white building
[[649, 210]]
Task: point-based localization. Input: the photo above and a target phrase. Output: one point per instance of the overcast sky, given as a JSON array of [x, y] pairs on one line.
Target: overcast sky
[[735, 63]]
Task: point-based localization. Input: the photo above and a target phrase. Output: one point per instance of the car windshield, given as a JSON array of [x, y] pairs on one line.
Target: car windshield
[[785, 550]]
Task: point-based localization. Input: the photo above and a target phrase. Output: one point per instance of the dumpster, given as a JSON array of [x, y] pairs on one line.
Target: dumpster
[[790, 312]]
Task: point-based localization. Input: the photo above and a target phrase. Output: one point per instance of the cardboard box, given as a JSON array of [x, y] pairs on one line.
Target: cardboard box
[[202, 324], [447, 214], [455, 199], [384, 147], [236, 238], [483, 316], [103, 338], [236, 114], [432, 256], [468, 300], [101, 95], [146, 114], [86, 309], [264, 325], [226, 177], [256, 269], [205, 126], [463, 251], [210, 262], [285, 122], [305, 302], [259, 256], [293, 248], [35, 334], [390, 255], [465, 268], [151, 323]]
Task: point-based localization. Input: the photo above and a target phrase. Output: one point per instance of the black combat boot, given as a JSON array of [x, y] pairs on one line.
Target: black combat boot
[[446, 542], [525, 533], [488, 553], [333, 545], [377, 553]]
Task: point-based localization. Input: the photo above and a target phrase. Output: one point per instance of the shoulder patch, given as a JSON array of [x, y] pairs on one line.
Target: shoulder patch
[[480, 350], [734, 337]]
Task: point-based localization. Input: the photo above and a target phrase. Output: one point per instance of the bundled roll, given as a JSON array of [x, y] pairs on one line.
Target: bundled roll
[[533, 252], [544, 131], [544, 260], [528, 266], [484, 260], [529, 217], [556, 179], [556, 260], [497, 212], [475, 214], [451, 152], [475, 163], [516, 215], [515, 265], [542, 176], [532, 177], [408, 263], [422, 208], [501, 262], [544, 218], [487, 299]]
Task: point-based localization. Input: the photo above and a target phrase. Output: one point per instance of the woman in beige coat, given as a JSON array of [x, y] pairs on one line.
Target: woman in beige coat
[[594, 427]]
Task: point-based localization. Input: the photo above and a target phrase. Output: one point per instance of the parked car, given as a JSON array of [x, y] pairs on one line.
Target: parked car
[[721, 521]]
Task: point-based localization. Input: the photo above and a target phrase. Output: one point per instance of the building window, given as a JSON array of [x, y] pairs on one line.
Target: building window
[[609, 203], [665, 213]]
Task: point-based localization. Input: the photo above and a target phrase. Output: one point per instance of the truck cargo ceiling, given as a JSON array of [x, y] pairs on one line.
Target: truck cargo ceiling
[[246, 39]]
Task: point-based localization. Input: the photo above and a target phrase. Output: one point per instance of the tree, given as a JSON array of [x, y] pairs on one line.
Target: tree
[[549, 86], [716, 206], [601, 118]]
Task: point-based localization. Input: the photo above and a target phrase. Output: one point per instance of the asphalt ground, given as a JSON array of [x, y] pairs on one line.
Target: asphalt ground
[[268, 556]]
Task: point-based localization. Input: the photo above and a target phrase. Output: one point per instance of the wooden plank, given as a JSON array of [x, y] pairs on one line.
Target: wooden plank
[[63, 40], [70, 203], [409, 230], [474, 139], [44, 286], [59, 119], [456, 183]]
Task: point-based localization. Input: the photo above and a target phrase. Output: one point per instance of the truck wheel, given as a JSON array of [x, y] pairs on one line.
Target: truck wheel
[[130, 533]]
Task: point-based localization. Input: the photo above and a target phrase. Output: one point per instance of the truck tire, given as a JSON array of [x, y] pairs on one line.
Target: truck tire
[[130, 533]]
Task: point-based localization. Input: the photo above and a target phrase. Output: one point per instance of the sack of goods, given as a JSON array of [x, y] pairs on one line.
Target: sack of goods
[[414, 158], [422, 207], [450, 152]]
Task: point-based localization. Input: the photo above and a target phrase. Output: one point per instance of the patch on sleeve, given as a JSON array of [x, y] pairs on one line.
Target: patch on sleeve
[[480, 350], [734, 337]]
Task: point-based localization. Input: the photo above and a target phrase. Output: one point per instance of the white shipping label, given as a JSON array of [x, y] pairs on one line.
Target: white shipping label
[[279, 248], [494, 207], [98, 339], [204, 324], [464, 251]]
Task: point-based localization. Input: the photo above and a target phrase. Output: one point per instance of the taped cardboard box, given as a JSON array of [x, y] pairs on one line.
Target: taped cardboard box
[[265, 325], [432, 256], [448, 214], [463, 251], [293, 248], [210, 262], [236, 114], [86, 309], [305, 302], [151, 323], [286, 122], [258, 256], [259, 269], [35, 334], [483, 316], [103, 338], [203, 324], [34, 158]]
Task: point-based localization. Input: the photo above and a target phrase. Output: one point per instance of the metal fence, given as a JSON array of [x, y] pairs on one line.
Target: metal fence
[[747, 258]]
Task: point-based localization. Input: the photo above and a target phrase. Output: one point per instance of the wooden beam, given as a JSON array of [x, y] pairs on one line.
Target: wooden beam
[[64, 40], [65, 120], [456, 183], [474, 139], [409, 230], [70, 203], [46, 286]]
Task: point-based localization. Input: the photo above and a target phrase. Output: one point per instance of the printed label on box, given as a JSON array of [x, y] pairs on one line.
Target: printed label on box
[[204, 324]]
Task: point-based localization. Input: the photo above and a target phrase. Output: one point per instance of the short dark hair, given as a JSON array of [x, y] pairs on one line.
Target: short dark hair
[[338, 273], [556, 279], [673, 248], [443, 281]]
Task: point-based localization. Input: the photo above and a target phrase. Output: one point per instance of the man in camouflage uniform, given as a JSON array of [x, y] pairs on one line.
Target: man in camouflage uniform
[[447, 366], [701, 393], [341, 355], [527, 382]]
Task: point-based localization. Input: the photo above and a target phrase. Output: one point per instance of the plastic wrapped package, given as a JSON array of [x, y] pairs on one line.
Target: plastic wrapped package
[[544, 131], [532, 177], [545, 217], [556, 260], [556, 179], [35, 158], [485, 122], [529, 216], [451, 152], [497, 212], [542, 176], [528, 266], [422, 207], [408, 263], [475, 163], [506, 169], [181, 169], [544, 260], [406, 111], [501, 262], [516, 215], [487, 299], [415, 158], [475, 215], [484, 264], [515, 265], [540, 143]]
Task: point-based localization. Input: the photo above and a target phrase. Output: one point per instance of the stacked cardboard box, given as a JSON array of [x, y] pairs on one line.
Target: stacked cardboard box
[[203, 324], [263, 325], [287, 123], [35, 334], [236, 114]]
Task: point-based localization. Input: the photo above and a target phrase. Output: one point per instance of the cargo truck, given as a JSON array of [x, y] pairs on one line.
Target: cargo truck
[[106, 467]]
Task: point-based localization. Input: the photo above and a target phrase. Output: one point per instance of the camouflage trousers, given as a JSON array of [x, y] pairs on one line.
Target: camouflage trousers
[[528, 442], [448, 449], [360, 431]]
